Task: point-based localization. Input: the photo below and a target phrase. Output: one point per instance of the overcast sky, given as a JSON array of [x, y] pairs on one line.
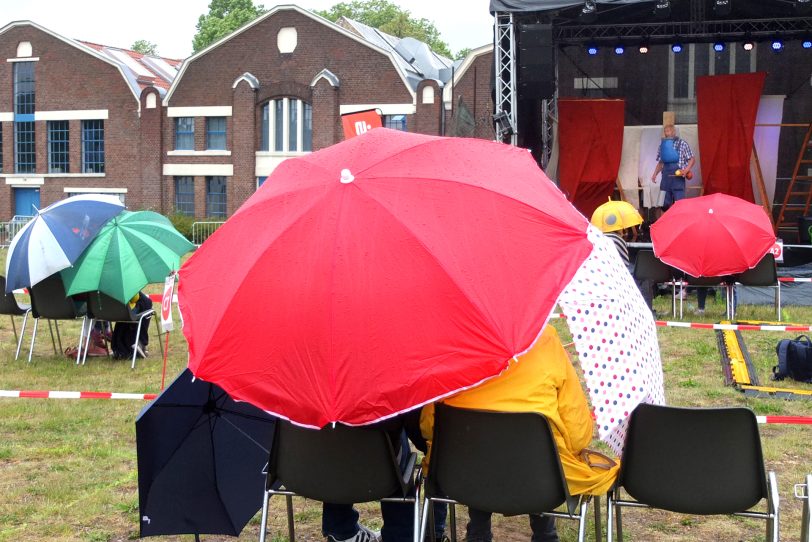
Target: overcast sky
[[171, 23]]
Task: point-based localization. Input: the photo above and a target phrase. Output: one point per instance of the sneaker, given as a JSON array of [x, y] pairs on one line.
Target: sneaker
[[700, 312], [363, 535]]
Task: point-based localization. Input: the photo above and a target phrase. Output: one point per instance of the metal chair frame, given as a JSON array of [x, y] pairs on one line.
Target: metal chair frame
[[48, 300], [9, 305], [338, 464], [802, 492], [764, 274], [671, 434], [471, 439]]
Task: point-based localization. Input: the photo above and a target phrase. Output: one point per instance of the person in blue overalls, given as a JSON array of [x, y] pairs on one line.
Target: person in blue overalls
[[673, 154]]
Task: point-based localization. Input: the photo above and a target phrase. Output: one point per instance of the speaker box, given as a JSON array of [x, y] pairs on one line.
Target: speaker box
[[536, 62]]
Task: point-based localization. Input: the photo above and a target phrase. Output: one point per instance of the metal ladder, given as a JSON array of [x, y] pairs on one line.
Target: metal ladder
[[798, 197]]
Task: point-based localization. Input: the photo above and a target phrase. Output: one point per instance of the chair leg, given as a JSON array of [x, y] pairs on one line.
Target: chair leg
[[778, 300], [424, 517], [58, 336], [81, 345], [452, 521], [619, 523], [158, 336], [14, 327], [263, 524], [33, 338], [87, 339], [597, 506], [582, 519], [291, 524], [610, 509], [22, 334], [773, 504]]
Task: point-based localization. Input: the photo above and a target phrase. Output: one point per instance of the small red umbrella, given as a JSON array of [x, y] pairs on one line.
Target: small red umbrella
[[712, 236], [379, 274]]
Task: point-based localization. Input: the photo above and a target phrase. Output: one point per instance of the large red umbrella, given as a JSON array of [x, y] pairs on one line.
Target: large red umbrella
[[712, 236], [379, 274]]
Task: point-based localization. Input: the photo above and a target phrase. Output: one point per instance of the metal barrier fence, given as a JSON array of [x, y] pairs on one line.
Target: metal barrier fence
[[9, 229], [202, 230]]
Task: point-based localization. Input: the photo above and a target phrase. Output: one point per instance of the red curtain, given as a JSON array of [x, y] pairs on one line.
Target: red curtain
[[726, 109], [590, 140]]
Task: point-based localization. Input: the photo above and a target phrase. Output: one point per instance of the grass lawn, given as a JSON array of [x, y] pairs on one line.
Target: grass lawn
[[68, 467]]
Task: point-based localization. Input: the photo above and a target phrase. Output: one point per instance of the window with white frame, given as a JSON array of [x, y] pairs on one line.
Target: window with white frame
[[287, 126], [696, 60], [121, 195], [184, 133], [93, 146], [185, 195], [58, 149], [216, 196]]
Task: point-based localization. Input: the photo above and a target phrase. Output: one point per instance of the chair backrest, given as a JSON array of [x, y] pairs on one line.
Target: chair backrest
[[502, 462], [103, 307], [48, 300], [763, 274], [694, 460], [8, 303], [341, 464], [648, 267], [705, 281]]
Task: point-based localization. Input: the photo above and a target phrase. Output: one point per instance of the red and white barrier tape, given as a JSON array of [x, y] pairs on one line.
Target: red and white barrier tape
[[794, 279], [42, 394], [723, 327], [793, 420]]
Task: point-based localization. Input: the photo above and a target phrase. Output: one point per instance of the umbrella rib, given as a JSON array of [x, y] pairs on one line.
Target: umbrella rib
[[212, 423]]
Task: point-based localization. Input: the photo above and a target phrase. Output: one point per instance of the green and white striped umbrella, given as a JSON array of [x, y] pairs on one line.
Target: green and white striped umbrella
[[132, 250]]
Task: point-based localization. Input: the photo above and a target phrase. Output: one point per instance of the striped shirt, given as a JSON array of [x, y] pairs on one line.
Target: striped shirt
[[683, 149], [621, 247]]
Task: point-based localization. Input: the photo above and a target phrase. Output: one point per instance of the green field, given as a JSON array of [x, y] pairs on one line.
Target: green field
[[68, 467]]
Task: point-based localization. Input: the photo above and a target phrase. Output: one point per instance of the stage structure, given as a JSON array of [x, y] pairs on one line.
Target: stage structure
[[527, 86]]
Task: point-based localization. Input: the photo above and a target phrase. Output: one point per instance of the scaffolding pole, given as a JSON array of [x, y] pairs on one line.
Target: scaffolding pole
[[505, 77]]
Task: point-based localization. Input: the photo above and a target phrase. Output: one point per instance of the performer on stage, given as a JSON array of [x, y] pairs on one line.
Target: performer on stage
[[674, 154]]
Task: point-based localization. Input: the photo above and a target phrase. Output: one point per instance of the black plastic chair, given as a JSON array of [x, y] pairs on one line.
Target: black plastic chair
[[500, 462], [725, 283], [648, 267], [49, 301], [764, 274], [341, 465], [102, 307], [699, 461], [9, 305]]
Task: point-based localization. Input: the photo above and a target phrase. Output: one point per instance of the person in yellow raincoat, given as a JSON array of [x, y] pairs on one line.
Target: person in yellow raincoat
[[542, 380]]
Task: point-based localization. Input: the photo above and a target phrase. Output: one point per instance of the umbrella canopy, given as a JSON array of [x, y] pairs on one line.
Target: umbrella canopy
[[712, 236], [379, 274], [615, 215], [56, 236], [132, 250], [200, 460]]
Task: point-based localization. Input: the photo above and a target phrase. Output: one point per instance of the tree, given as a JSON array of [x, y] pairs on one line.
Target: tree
[[224, 17], [390, 18], [145, 47]]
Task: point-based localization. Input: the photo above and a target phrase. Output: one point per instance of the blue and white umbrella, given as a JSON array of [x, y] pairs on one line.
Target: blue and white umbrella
[[56, 237]]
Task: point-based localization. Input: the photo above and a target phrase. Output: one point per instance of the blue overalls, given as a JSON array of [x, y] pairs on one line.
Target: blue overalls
[[672, 184]]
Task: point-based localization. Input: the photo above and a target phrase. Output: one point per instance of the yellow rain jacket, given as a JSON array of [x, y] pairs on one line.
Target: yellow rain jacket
[[543, 380]]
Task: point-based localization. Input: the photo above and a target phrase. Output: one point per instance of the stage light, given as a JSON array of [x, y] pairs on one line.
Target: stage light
[[776, 45], [721, 8], [662, 9], [592, 49], [589, 13], [619, 49], [719, 46], [806, 43], [748, 45], [676, 47], [643, 49]]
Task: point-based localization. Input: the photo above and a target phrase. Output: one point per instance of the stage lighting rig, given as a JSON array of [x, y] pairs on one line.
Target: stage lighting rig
[[676, 47], [748, 44], [643, 49], [776, 45], [592, 49], [619, 49], [806, 43], [503, 126], [662, 9], [803, 7], [721, 8], [718, 46]]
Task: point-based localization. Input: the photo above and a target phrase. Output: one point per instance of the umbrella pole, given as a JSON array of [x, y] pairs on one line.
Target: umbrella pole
[[166, 353]]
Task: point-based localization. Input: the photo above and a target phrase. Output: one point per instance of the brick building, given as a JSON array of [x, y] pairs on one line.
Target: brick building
[[77, 117], [199, 136]]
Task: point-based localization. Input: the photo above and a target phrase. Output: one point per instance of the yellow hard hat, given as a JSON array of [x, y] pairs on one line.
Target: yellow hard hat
[[615, 215]]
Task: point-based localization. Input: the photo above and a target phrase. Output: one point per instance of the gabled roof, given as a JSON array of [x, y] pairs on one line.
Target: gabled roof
[[141, 71], [407, 75], [462, 67], [414, 58]]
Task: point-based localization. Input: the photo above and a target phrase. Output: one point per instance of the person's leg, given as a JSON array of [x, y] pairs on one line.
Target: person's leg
[[398, 517], [543, 528], [479, 526], [339, 521], [701, 296]]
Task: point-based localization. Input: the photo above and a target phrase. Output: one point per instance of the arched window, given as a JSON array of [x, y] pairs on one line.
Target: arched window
[[287, 126]]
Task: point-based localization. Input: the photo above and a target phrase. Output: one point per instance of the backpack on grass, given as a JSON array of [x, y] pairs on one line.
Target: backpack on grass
[[794, 359]]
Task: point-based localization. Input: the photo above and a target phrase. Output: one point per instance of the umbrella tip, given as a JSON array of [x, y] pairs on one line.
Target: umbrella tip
[[346, 176], [710, 211]]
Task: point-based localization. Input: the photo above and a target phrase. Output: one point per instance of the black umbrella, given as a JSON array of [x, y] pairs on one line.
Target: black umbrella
[[200, 460]]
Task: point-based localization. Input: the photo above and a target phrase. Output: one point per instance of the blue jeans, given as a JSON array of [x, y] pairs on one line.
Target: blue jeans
[[479, 527], [672, 185], [341, 520]]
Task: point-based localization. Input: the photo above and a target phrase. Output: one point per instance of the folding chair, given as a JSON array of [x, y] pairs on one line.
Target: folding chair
[[726, 283], [802, 492], [648, 267], [500, 462], [102, 307], [764, 274], [700, 461], [48, 300], [337, 464], [9, 305]]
